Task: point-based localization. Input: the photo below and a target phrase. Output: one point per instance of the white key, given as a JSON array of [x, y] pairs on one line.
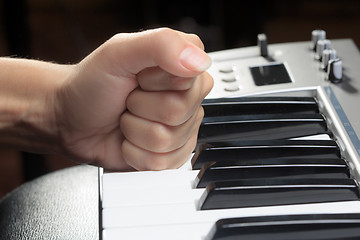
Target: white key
[[144, 216], [165, 232], [150, 196], [146, 179]]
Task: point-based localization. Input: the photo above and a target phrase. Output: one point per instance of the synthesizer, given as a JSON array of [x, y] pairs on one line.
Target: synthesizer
[[278, 153]]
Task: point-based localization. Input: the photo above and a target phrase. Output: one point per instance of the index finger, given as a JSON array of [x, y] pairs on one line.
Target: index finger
[[156, 79]]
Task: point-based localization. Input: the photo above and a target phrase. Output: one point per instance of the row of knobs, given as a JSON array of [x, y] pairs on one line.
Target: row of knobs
[[327, 56]]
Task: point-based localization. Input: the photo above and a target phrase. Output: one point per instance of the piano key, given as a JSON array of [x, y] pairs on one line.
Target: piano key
[[145, 215], [288, 227], [281, 161], [188, 213], [260, 127], [271, 192], [130, 189], [259, 105], [173, 232], [154, 196], [198, 231], [314, 137], [274, 169], [249, 150], [133, 180]]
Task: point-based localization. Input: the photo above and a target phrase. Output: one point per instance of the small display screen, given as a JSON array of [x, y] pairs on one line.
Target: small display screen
[[270, 74]]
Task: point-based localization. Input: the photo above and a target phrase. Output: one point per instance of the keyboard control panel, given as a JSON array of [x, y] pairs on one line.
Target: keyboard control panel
[[325, 69]]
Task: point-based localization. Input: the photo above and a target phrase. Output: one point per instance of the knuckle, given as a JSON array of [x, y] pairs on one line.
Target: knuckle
[[180, 83], [209, 82], [156, 163], [164, 31], [161, 138], [197, 41], [119, 37], [206, 83], [164, 35], [175, 110], [201, 114], [124, 121], [143, 160]]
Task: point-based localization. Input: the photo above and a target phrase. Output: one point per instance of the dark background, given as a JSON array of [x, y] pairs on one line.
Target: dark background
[[65, 31]]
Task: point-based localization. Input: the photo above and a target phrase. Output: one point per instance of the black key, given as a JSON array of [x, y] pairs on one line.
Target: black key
[[259, 105], [288, 227], [248, 150], [274, 169], [274, 192], [261, 127]]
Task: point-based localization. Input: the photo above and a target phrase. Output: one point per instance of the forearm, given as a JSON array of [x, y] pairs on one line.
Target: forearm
[[27, 89], [79, 110]]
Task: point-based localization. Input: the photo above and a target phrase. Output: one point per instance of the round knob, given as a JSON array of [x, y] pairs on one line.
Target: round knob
[[335, 70], [317, 35], [320, 47], [328, 54]]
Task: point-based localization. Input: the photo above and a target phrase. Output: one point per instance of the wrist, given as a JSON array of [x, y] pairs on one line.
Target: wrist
[[27, 116]]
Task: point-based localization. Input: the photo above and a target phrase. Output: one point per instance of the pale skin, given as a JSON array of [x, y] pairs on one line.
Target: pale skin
[[133, 103]]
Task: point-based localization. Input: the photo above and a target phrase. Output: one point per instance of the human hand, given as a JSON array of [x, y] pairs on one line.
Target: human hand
[[134, 103]]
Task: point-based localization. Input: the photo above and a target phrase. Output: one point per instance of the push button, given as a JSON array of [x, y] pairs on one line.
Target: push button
[[229, 79], [226, 69], [232, 87]]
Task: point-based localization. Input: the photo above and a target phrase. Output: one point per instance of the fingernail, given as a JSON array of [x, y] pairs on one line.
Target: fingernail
[[195, 59]]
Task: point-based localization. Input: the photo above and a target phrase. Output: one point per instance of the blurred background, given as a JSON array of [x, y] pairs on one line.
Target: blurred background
[[65, 31]]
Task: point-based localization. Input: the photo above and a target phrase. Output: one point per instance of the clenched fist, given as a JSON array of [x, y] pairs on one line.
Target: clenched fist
[[133, 103]]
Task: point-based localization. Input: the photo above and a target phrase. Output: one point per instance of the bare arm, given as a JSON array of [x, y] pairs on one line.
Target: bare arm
[[27, 90], [134, 103]]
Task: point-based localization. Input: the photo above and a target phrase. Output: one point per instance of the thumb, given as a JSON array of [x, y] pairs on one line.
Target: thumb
[[168, 49]]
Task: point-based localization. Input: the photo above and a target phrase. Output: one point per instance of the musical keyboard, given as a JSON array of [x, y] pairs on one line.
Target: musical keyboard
[[278, 154]]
